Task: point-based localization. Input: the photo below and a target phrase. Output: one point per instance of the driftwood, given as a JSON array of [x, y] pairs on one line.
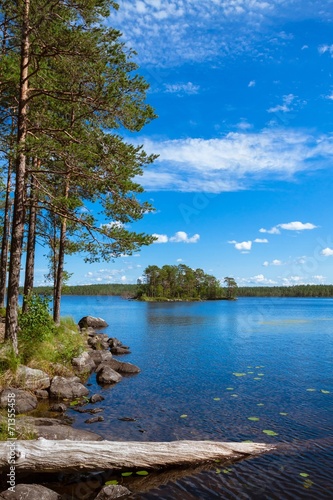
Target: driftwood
[[45, 455]]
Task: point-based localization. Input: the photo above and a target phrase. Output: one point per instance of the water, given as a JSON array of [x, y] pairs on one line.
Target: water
[[189, 354]]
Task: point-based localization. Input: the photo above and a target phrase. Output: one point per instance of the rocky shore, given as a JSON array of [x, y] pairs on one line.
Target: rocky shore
[[34, 386]]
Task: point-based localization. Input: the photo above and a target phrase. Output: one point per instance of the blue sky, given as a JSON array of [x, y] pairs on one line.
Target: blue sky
[[243, 183]]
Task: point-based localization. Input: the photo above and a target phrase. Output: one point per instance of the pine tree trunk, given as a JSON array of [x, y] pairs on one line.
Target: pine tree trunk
[[19, 199], [31, 243], [5, 238], [61, 261]]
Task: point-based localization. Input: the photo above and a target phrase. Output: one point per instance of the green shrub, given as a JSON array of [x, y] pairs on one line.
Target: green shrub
[[36, 324]]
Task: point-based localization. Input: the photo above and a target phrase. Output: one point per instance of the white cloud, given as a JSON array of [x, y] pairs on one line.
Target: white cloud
[[275, 262], [182, 237], [330, 96], [260, 240], [285, 107], [181, 88], [171, 32], [322, 49], [297, 226], [327, 252], [259, 279], [252, 83], [234, 162], [178, 237], [273, 230], [160, 238], [114, 224], [244, 245], [289, 226]]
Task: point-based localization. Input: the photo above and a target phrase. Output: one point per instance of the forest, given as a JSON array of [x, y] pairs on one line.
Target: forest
[[68, 86]]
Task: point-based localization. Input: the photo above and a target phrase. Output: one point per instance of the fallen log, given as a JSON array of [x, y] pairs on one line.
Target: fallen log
[[45, 455]]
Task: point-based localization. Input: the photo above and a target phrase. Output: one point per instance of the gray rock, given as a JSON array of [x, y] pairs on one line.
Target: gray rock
[[30, 378], [30, 492], [120, 350], [114, 342], [99, 357], [83, 363], [106, 375], [24, 400], [98, 342], [67, 388], [42, 394], [113, 491], [58, 407], [96, 398], [121, 367], [94, 419], [54, 428], [91, 322]]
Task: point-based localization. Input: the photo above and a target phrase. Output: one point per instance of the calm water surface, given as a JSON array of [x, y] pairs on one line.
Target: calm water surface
[[189, 354]]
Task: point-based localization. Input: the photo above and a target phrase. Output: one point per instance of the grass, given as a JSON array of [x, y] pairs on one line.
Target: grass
[[51, 352]]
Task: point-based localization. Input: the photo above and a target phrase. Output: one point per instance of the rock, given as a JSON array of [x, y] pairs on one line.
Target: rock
[[121, 367], [114, 342], [96, 398], [91, 322], [31, 492], [42, 394], [113, 491], [54, 428], [99, 357], [98, 342], [59, 407], [30, 378], [106, 375], [94, 419], [24, 400], [83, 363], [67, 388], [120, 350]]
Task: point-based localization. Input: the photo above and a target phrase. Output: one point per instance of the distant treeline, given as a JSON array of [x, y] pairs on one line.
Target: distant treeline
[[245, 291], [286, 291]]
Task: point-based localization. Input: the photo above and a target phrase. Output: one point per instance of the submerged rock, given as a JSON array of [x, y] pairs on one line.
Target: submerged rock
[[54, 428], [24, 400], [113, 491], [92, 322]]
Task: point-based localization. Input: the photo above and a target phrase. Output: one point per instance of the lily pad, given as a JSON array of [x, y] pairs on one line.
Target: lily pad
[[253, 419], [311, 390], [307, 483], [239, 374], [183, 416], [126, 474], [260, 404], [217, 399], [226, 471], [270, 433], [234, 395], [304, 474], [142, 473], [218, 471], [261, 374], [113, 481], [324, 392], [250, 373], [283, 413], [256, 378], [229, 389]]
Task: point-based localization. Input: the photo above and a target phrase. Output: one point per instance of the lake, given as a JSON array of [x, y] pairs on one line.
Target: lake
[[207, 367]]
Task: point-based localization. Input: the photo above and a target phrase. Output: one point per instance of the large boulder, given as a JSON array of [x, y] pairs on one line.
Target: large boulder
[[113, 491], [106, 375], [91, 322], [31, 378], [24, 400], [83, 363], [122, 367], [67, 388], [30, 492], [99, 357]]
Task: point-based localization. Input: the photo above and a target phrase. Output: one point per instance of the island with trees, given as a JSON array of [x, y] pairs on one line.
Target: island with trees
[[179, 283]]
